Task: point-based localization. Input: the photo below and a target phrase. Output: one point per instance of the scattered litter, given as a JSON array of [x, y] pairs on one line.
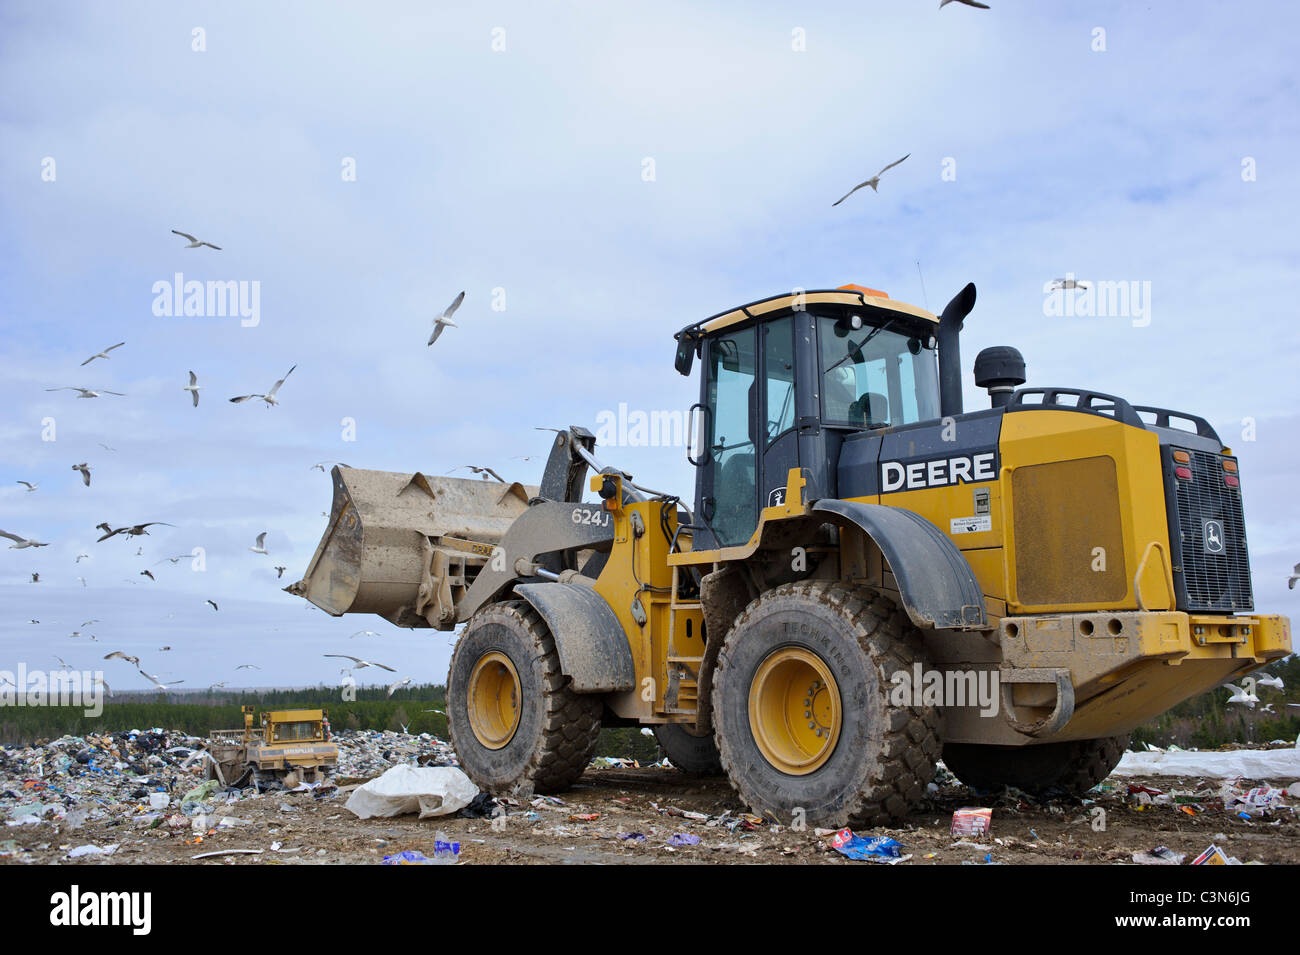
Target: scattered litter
[[92, 850], [879, 849], [683, 839], [1160, 855], [1214, 856], [972, 822], [228, 852]]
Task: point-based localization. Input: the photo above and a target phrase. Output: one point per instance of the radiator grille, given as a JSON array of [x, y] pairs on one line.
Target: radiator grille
[[1213, 581]]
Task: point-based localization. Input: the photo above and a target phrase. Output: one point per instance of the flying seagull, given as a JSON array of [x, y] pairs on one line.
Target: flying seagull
[[443, 320], [321, 466], [269, 397], [1058, 284], [79, 556], [279, 572], [85, 470], [105, 447], [359, 663], [393, 686], [195, 243], [1241, 695], [21, 542], [102, 354], [30, 486], [216, 685], [163, 649], [135, 530], [1274, 681], [247, 666], [156, 682], [365, 633], [119, 655], [149, 574], [63, 663], [1290, 581], [100, 682], [83, 581], [193, 388], [36, 578], [261, 544], [214, 604], [484, 472], [873, 182], [969, 3], [87, 392]]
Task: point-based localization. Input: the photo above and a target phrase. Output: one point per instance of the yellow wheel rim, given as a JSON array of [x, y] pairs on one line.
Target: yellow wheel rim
[[794, 710], [494, 700]]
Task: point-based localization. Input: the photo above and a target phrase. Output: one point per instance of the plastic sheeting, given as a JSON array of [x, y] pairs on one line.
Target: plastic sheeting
[[428, 790], [1273, 764]]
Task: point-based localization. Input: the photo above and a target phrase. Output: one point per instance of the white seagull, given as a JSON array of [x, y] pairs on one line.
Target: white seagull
[[88, 392], [30, 486], [1290, 581], [102, 354], [260, 548], [1274, 681], [1241, 696], [193, 388], [392, 687], [269, 397], [1059, 284], [443, 320], [195, 243], [214, 604], [873, 182], [158, 683], [85, 470], [364, 633], [359, 663], [21, 542], [119, 655], [969, 3]]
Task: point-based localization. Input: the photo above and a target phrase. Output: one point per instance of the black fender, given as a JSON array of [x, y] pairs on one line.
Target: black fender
[[593, 649], [938, 588]]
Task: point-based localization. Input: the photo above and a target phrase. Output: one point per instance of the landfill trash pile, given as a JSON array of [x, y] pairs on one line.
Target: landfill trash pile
[[142, 797], [367, 753]]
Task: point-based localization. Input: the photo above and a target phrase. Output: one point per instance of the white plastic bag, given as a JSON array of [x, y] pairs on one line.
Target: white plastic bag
[[428, 790]]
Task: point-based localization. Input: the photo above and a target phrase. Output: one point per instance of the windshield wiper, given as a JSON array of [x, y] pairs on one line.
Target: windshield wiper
[[861, 345]]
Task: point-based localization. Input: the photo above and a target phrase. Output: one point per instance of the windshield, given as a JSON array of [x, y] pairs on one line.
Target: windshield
[[295, 731], [874, 377]]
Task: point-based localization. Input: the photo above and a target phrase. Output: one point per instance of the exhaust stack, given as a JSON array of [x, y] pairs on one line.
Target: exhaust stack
[[950, 323]]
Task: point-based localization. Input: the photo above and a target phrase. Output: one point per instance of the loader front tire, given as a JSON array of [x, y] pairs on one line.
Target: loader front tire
[[1071, 767], [692, 753], [516, 725], [806, 729]]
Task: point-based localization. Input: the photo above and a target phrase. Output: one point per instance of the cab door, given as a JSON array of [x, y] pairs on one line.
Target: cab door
[[727, 500]]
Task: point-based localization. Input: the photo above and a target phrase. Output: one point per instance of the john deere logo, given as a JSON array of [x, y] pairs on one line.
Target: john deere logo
[[776, 497], [1212, 535]]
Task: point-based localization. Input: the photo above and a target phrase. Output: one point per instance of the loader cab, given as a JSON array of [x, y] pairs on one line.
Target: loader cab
[[783, 383]]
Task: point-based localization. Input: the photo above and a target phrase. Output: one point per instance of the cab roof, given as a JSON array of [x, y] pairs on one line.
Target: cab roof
[[845, 295]]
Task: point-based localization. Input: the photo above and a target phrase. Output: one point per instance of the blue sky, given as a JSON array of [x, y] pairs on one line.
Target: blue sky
[[522, 169]]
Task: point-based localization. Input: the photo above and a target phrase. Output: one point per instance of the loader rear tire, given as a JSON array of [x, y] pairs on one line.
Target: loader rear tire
[[693, 754], [802, 712], [1072, 767], [516, 725]]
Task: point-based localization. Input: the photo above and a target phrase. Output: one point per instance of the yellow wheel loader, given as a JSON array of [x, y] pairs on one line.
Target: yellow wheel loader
[[867, 579]]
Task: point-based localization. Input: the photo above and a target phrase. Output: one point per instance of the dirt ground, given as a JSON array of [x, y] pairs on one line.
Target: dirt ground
[[312, 829]]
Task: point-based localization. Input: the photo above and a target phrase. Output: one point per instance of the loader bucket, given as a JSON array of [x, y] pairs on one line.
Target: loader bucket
[[387, 531]]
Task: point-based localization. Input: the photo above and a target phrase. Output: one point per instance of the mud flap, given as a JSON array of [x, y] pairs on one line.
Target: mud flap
[[593, 649], [938, 588]]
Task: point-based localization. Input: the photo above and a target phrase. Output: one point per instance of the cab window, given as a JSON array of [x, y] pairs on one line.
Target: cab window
[[875, 376]]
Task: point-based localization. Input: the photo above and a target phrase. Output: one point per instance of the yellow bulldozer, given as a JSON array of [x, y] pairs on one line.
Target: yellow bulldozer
[[867, 579], [289, 747]]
